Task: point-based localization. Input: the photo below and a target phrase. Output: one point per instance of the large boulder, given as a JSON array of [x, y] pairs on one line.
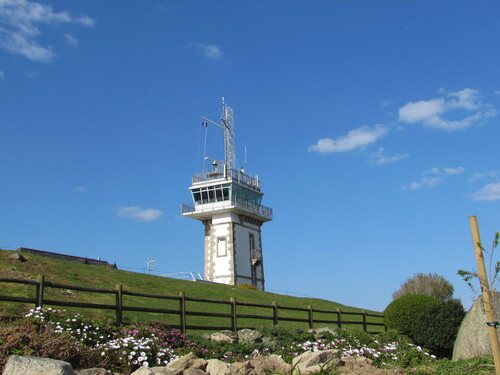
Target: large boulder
[[310, 361], [270, 364], [18, 365], [473, 339]]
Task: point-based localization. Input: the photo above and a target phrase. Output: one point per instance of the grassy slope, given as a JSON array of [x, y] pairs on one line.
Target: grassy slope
[[64, 272]]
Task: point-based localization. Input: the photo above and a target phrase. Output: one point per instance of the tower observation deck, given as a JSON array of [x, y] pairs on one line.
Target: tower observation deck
[[228, 202]]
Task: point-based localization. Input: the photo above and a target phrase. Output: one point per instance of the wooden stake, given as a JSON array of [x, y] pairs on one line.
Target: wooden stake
[[483, 279]]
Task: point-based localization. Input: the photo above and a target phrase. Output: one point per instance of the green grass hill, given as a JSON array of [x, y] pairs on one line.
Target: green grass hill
[[70, 273]]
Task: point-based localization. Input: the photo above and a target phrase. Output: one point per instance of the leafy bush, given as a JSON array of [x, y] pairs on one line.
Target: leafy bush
[[438, 327], [430, 284], [403, 313], [29, 338]]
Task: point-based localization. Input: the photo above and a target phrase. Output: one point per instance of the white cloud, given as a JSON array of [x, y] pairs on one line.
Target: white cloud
[[425, 182], [138, 213], [211, 51], [81, 189], [71, 40], [2, 74], [438, 176], [430, 112], [457, 170], [479, 176], [19, 27], [444, 171], [490, 192], [355, 138], [379, 157]]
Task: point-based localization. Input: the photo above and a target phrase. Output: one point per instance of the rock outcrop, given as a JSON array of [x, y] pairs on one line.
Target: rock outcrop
[[18, 365], [473, 339]]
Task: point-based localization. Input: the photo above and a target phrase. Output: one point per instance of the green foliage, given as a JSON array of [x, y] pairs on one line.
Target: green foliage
[[284, 335], [437, 329], [430, 284], [403, 313], [494, 267]]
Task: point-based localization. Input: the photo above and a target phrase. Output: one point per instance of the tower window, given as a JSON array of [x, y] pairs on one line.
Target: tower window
[[251, 239], [221, 247]]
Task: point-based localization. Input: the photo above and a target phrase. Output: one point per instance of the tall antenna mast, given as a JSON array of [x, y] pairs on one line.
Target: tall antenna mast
[[227, 118], [229, 143]]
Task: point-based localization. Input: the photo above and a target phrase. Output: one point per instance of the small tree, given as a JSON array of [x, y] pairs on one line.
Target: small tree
[[430, 284]]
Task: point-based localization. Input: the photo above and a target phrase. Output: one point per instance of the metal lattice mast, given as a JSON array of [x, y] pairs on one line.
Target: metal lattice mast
[[229, 143]]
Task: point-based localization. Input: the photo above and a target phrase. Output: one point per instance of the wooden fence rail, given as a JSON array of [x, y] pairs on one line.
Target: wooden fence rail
[[41, 284]]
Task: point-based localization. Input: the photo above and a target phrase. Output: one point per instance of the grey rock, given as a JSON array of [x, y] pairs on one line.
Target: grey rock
[[224, 336], [18, 365], [182, 363], [263, 365], [193, 371], [319, 333], [19, 257], [249, 336], [309, 359], [217, 367], [473, 339], [93, 371], [143, 371]]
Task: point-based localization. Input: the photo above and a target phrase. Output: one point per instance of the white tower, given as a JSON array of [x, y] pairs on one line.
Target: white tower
[[228, 203]]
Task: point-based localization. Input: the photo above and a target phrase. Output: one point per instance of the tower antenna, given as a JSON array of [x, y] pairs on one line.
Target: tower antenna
[[227, 118]]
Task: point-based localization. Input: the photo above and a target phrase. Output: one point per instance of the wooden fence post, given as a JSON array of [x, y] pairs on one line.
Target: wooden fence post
[[483, 279], [182, 312], [233, 315], [365, 326], [119, 304], [339, 318], [275, 313], [40, 290], [310, 316]]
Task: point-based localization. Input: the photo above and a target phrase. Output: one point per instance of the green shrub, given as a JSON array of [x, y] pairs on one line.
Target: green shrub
[[403, 313], [438, 327], [431, 284]]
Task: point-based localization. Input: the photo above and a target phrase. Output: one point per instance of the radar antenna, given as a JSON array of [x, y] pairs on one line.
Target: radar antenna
[[229, 142]]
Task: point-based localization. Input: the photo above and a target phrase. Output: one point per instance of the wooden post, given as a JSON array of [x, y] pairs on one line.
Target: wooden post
[[310, 316], [119, 304], [339, 318], [495, 347], [233, 314], [40, 290], [182, 312], [365, 326], [275, 313]]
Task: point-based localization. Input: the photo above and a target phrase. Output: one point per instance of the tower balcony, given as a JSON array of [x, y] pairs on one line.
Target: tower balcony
[[224, 174], [235, 204]]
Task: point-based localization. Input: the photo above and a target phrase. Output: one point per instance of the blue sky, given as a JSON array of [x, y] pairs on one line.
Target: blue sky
[[373, 127]]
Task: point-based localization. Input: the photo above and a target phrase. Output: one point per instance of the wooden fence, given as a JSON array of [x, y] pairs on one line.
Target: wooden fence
[[341, 317]]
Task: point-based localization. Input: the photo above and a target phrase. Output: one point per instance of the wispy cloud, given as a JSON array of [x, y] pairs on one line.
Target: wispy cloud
[[356, 138], [71, 40], [425, 182], [20, 22], [490, 192], [433, 177], [379, 157], [2, 75], [479, 176], [138, 213], [81, 189], [430, 112], [210, 51]]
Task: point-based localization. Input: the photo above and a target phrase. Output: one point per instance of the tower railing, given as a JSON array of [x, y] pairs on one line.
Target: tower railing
[[233, 202], [232, 175]]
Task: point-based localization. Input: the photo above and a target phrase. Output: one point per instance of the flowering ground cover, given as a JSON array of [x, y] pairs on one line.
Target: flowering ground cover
[[125, 349]]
